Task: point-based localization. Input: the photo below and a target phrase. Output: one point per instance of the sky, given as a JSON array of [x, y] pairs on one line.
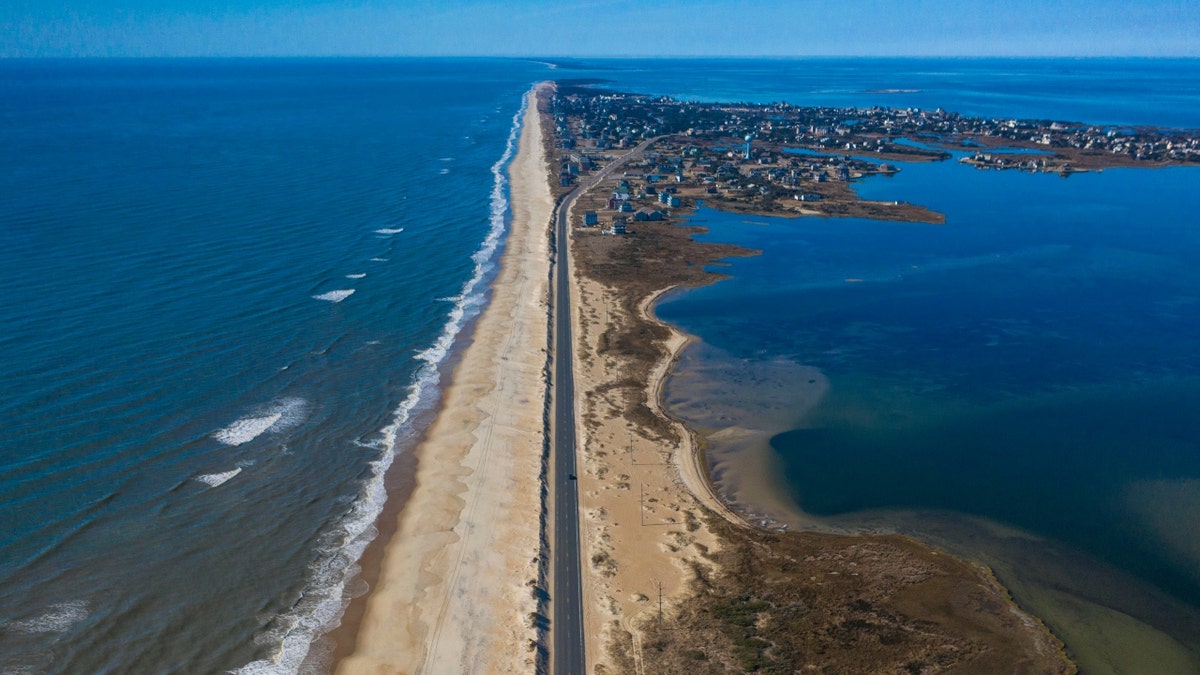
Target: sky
[[776, 28]]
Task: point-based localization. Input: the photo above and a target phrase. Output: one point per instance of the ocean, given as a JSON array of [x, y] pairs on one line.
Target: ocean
[[233, 287]]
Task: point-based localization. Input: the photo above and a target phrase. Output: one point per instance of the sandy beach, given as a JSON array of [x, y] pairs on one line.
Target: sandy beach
[[458, 580], [455, 588]]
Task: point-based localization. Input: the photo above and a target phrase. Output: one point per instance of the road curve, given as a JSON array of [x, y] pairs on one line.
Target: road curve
[[566, 594]]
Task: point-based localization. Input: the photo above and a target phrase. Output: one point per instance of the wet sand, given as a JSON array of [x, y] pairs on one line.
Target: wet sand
[[455, 586], [1111, 621]]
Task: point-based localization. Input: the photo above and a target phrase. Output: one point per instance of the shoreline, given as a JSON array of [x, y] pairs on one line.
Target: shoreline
[[668, 556], [400, 482], [463, 560], [693, 465], [1060, 584], [340, 642]]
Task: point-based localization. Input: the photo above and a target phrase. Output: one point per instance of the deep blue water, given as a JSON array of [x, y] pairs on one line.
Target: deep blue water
[[1033, 361], [1026, 361], [1161, 92], [194, 432]]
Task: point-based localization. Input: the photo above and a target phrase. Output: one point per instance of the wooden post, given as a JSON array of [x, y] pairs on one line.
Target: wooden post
[[658, 586]]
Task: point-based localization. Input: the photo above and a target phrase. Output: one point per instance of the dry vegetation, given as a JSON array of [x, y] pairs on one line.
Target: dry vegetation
[[840, 201], [823, 603], [787, 602], [773, 602], [782, 602]]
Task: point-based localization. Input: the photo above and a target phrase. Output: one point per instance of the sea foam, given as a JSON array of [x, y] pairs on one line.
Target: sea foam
[[329, 590], [56, 618], [279, 415], [246, 429], [389, 230], [355, 276], [335, 296], [215, 479]]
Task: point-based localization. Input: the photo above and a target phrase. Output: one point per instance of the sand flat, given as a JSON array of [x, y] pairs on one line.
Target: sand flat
[[454, 594], [643, 499]]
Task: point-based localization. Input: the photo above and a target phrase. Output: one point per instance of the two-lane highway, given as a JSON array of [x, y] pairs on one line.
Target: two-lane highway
[[566, 628]]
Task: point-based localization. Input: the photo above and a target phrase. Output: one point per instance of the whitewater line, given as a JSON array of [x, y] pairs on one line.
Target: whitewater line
[[323, 601]]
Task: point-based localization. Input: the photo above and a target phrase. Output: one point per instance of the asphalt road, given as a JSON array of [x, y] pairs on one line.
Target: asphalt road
[[566, 626]]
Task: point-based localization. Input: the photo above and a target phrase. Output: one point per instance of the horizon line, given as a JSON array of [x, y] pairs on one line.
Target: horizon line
[[551, 60]]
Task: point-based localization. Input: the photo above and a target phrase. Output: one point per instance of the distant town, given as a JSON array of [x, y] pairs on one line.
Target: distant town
[[790, 160]]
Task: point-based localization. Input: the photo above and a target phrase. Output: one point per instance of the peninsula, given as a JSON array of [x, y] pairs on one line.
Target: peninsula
[[674, 580]]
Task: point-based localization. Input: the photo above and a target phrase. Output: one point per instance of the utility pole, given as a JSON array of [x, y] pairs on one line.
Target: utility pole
[[658, 587], [642, 504]]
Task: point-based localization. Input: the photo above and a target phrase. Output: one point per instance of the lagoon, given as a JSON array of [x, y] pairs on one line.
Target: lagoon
[[1017, 385]]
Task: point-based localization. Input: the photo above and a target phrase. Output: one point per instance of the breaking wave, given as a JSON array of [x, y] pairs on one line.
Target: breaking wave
[[335, 296], [278, 416], [215, 479], [54, 619], [246, 429], [330, 586]]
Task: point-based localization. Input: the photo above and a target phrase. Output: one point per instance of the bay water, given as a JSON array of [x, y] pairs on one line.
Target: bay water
[[1018, 385], [233, 286]]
